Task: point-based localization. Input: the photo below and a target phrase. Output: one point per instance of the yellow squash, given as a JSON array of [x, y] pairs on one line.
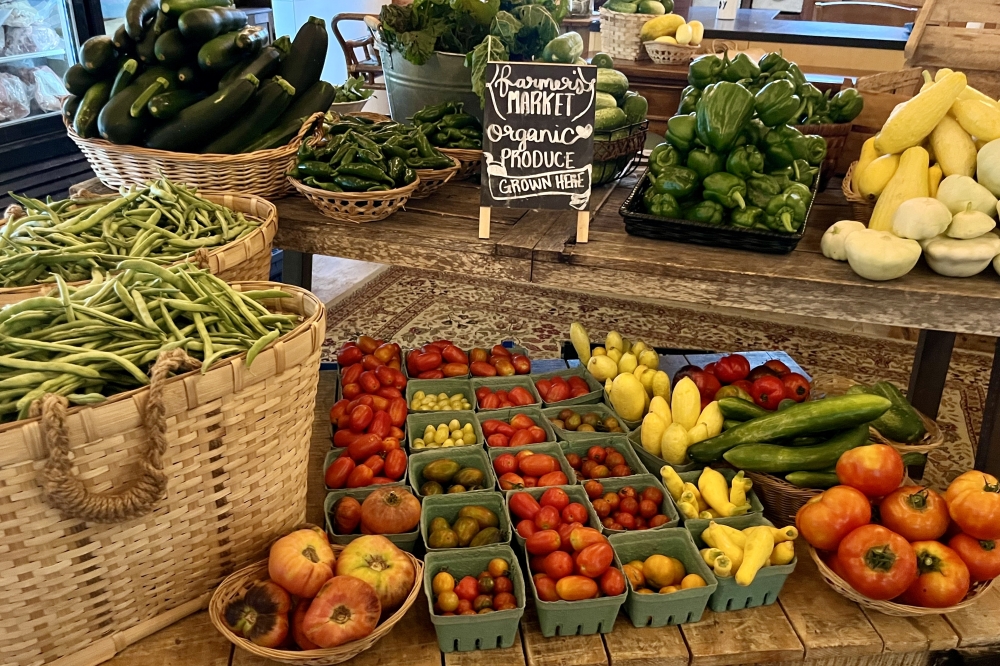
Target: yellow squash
[[685, 403], [672, 481], [715, 491], [756, 554], [723, 567], [783, 553], [909, 182], [726, 545], [868, 155], [919, 116], [953, 147], [674, 444], [873, 179], [660, 26], [978, 119], [934, 176]]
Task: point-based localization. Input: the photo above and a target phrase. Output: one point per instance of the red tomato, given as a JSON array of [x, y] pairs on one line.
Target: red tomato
[[558, 564], [629, 505], [575, 588], [489, 401], [982, 557], [467, 588], [594, 560], [916, 513], [653, 494], [539, 464], [565, 530], [530, 481], [797, 387], [543, 386], [453, 354], [594, 489], [360, 476], [626, 520], [779, 368], [521, 421], [877, 562], [612, 582], [542, 542], [522, 438], [830, 516], [657, 520], [521, 396], [768, 391], [546, 588], [601, 508], [526, 528], [876, 469], [707, 384], [597, 454], [744, 384], [505, 463], [498, 441], [943, 579], [574, 460], [647, 509], [511, 481], [538, 434], [361, 416], [395, 464], [338, 471], [554, 497], [710, 369], [574, 513], [376, 462], [732, 368], [974, 504], [490, 426], [349, 354], [547, 518], [523, 505], [612, 499], [502, 585], [365, 447], [557, 478]]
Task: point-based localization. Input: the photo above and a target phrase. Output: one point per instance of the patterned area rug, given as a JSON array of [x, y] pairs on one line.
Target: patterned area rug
[[412, 307]]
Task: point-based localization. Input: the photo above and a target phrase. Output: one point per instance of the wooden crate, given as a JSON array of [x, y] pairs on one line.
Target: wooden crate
[[942, 37]]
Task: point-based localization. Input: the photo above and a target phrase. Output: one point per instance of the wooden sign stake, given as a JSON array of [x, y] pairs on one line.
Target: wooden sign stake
[[484, 221], [582, 226]]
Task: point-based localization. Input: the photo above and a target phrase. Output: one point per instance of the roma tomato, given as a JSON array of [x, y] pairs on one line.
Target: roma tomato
[[830, 516], [943, 579], [523, 505], [546, 588], [365, 447], [557, 478], [876, 469], [547, 518], [594, 560], [732, 368], [542, 542], [360, 477], [558, 564], [612, 582], [526, 528], [974, 504], [395, 464], [554, 497], [575, 588], [338, 471], [877, 562], [917, 513], [982, 557], [511, 481]]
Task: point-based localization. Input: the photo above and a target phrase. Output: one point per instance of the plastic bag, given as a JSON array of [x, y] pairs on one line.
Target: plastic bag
[[15, 101], [20, 14], [44, 86], [33, 39]]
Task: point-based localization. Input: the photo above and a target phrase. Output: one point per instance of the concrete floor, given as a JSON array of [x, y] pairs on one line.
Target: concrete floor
[[333, 277]]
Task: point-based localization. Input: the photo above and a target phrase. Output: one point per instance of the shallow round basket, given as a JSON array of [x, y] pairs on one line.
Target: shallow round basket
[[670, 54], [261, 172], [431, 180], [238, 583], [977, 591], [357, 206], [781, 499], [471, 161], [348, 107], [861, 207]]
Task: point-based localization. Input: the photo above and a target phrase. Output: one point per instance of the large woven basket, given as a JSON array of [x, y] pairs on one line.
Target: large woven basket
[[836, 136], [261, 172], [976, 592], [861, 207], [78, 586], [471, 161], [781, 499], [670, 54], [432, 180], [236, 585], [357, 206], [620, 35], [248, 258]]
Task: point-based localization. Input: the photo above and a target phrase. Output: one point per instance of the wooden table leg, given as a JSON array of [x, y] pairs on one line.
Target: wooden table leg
[[297, 268], [988, 453], [930, 369]]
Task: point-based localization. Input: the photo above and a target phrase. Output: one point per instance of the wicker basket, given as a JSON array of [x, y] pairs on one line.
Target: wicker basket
[[106, 572], [471, 160], [261, 172], [237, 584], [248, 258], [432, 180], [670, 54], [861, 207], [976, 592], [781, 499], [901, 82], [836, 136], [620, 34], [357, 206]]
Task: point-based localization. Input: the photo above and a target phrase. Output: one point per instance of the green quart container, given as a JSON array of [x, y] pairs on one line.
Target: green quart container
[[462, 633], [766, 584], [466, 456], [755, 506], [640, 482], [651, 462], [416, 422], [660, 610], [438, 386], [506, 415], [551, 448], [577, 618], [506, 384], [619, 443], [602, 411], [576, 494], [406, 541], [338, 451], [448, 506], [596, 390]]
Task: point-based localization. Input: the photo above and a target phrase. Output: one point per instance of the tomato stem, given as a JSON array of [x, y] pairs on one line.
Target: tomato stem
[[918, 500], [928, 563], [880, 558], [988, 545]]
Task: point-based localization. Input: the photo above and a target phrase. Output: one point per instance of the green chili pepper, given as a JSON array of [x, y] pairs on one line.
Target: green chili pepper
[[785, 212], [681, 131], [397, 151], [469, 144], [396, 169], [662, 156], [761, 189], [747, 217], [744, 161], [708, 212], [723, 111], [777, 103], [705, 71], [661, 204], [353, 183], [371, 157], [424, 148], [846, 105], [314, 169], [431, 114], [726, 189], [677, 181], [366, 171], [704, 162], [409, 175], [332, 187], [349, 155]]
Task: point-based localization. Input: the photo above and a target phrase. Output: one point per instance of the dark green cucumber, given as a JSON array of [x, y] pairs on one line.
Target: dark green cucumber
[[69, 107], [136, 15], [730, 423], [98, 55], [819, 480], [205, 23], [146, 48], [277, 137], [138, 108], [178, 7], [777, 459], [126, 73], [167, 105], [318, 98], [264, 65], [219, 54], [304, 64], [123, 42], [741, 410], [802, 440], [901, 423], [188, 76], [269, 101], [805, 418], [195, 126], [171, 50], [910, 459], [78, 80], [85, 120]]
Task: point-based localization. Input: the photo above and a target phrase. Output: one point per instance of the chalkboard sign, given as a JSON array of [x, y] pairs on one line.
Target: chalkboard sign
[[538, 135]]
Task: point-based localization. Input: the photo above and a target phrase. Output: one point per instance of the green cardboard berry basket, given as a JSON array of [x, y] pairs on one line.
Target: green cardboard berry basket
[[462, 633], [551, 448], [596, 390], [406, 541], [335, 453], [640, 482], [573, 436], [577, 618], [755, 506], [650, 462], [436, 386], [505, 415], [766, 585], [617, 442], [448, 506], [506, 384], [576, 494], [466, 456], [660, 610], [416, 422]]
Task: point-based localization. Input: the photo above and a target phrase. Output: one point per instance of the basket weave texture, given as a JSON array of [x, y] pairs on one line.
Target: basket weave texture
[[237, 584], [836, 136], [620, 35], [244, 259], [432, 180], [357, 206], [235, 464], [670, 54], [861, 207], [781, 499], [471, 161]]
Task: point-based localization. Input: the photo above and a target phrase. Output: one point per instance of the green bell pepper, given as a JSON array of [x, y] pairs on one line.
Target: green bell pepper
[[662, 156], [705, 71], [799, 189], [708, 212], [846, 105], [773, 62], [798, 78], [798, 172], [689, 100], [744, 161], [812, 149], [754, 132], [783, 145], [785, 212], [661, 204], [747, 217], [705, 161], [739, 68], [681, 131], [726, 189], [677, 181], [761, 189], [777, 103], [723, 112]]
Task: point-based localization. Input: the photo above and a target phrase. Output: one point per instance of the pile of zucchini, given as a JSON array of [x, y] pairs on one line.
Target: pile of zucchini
[[192, 76]]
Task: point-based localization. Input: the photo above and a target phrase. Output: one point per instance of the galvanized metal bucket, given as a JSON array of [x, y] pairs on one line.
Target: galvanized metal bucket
[[443, 78]]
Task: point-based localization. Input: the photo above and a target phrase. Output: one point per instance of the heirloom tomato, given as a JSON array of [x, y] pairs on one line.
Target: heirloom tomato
[[982, 557], [915, 512], [877, 562], [974, 504], [943, 578], [301, 562], [830, 516], [345, 610]]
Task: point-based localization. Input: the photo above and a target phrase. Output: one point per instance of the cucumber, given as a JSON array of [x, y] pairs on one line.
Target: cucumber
[[910, 459], [167, 105], [263, 66], [821, 480], [269, 102], [115, 123], [318, 98], [205, 23], [178, 7], [739, 409], [123, 42], [836, 413], [136, 15], [126, 73], [277, 137], [728, 423], [901, 423], [69, 107], [85, 120], [171, 50], [304, 64], [98, 54], [194, 126], [78, 80], [802, 440], [774, 458], [163, 22], [219, 54], [146, 48], [138, 108]]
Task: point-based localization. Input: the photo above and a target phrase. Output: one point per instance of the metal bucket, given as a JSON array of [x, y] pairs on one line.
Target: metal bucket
[[443, 78]]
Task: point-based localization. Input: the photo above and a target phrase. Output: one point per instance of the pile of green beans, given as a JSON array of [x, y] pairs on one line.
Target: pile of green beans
[[75, 239], [99, 339]]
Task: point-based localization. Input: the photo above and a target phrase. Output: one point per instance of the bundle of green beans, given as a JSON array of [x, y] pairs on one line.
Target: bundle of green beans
[[75, 239], [102, 338]]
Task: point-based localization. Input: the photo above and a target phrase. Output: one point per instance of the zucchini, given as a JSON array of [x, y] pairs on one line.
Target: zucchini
[[167, 105], [318, 98], [125, 75], [263, 66], [836, 413], [85, 120], [136, 15], [304, 64], [901, 423], [171, 50], [269, 102], [178, 7], [123, 42], [78, 80], [138, 108], [163, 22], [188, 75], [98, 54], [821, 480], [69, 107], [194, 126], [277, 137], [251, 39], [220, 54], [205, 23], [146, 48], [739, 409], [116, 124], [777, 459]]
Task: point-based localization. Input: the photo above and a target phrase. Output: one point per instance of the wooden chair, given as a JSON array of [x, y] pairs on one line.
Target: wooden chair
[[871, 13], [366, 63]]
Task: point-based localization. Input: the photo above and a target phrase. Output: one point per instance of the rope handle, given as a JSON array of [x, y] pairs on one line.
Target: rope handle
[[68, 494]]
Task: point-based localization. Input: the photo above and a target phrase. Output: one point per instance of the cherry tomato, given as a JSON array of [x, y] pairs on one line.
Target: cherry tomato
[[505, 463], [876, 469], [467, 588], [547, 518], [594, 489], [797, 387], [574, 460], [974, 504], [601, 507], [830, 516], [982, 557], [574, 513], [767, 392], [943, 577], [612, 582], [558, 564], [597, 454], [653, 494], [915, 512], [877, 562], [732, 368]]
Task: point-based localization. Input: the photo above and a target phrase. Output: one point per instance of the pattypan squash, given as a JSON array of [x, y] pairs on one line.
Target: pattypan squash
[[832, 243], [970, 224], [961, 258], [988, 166], [881, 255], [919, 218], [957, 192]]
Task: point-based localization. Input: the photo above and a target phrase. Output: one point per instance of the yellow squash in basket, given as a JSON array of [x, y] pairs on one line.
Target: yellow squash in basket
[[660, 26], [909, 182], [918, 117]]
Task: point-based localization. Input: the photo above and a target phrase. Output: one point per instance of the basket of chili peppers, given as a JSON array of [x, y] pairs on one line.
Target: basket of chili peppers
[[455, 133]]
